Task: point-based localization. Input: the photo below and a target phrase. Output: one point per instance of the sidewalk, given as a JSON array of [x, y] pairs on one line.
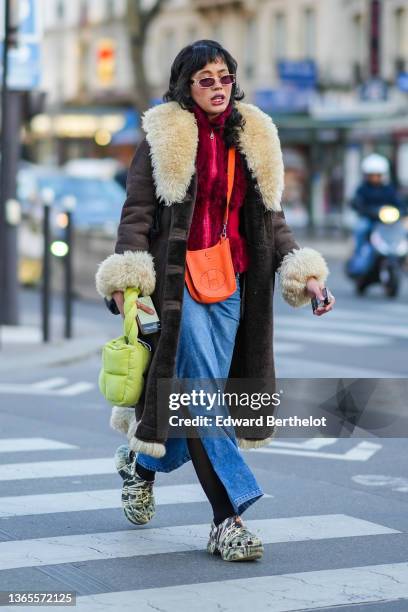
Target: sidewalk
[[332, 247], [17, 354], [22, 346]]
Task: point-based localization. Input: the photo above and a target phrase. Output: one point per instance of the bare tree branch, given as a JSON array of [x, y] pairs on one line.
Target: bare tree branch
[[138, 22]]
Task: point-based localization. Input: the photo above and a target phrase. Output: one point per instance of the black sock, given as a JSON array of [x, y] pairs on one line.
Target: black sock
[[144, 472], [210, 482]]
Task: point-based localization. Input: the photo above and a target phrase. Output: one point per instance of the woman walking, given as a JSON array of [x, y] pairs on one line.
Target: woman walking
[[176, 201]]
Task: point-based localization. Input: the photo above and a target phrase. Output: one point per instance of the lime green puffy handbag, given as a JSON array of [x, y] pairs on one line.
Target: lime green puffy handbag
[[125, 359]]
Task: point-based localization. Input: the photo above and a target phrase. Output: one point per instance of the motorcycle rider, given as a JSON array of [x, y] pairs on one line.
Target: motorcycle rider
[[373, 193]]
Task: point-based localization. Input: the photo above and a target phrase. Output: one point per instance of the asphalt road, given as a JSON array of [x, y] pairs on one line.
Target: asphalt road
[[333, 518]]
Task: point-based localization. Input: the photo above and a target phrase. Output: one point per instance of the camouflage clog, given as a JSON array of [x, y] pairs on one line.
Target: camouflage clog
[[233, 541], [137, 494]]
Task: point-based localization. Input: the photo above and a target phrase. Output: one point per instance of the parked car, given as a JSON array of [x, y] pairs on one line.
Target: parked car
[[92, 167], [96, 211]]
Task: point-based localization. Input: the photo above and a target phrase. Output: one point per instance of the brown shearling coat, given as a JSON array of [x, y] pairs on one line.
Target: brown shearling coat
[[163, 177]]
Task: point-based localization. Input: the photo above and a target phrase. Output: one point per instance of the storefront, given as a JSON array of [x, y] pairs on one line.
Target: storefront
[[90, 132]]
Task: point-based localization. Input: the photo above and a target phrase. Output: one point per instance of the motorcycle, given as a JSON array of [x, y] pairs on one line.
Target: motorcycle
[[382, 256]]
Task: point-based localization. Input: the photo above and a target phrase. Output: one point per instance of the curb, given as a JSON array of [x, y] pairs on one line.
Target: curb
[[56, 354]]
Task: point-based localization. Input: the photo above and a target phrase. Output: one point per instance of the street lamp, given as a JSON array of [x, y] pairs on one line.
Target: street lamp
[[10, 123]]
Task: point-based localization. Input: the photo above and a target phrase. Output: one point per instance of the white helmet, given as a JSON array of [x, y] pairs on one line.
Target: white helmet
[[375, 164]]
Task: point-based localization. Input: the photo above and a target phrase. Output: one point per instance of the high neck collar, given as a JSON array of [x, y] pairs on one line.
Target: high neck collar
[[218, 122]]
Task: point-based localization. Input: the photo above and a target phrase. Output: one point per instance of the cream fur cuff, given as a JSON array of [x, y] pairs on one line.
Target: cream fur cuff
[[295, 269], [246, 444], [154, 449], [131, 269]]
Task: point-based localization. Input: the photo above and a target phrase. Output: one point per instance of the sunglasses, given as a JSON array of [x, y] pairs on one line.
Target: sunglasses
[[226, 79]]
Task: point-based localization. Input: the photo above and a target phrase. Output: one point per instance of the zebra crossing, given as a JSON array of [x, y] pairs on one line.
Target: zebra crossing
[[325, 588], [62, 557], [342, 327], [56, 386]]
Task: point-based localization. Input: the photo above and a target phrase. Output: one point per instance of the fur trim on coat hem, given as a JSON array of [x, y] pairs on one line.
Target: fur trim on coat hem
[[154, 449], [245, 444], [121, 418], [296, 268], [130, 269]]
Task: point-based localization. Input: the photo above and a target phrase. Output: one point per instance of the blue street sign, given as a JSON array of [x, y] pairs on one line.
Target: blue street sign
[[283, 100], [25, 59], [300, 73], [403, 81], [28, 19], [24, 66], [374, 90]]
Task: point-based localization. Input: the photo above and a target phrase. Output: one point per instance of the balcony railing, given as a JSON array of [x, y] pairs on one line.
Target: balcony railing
[[217, 4]]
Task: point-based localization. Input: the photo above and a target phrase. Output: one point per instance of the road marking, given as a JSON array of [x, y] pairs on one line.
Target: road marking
[[395, 483], [361, 452], [50, 383], [77, 388], [312, 444], [323, 369], [327, 336], [396, 331], [378, 314], [78, 501], [16, 334], [15, 445], [148, 541], [57, 469], [287, 347], [38, 389], [284, 593]]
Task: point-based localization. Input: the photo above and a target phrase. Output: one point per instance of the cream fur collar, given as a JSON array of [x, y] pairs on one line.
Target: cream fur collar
[[172, 134]]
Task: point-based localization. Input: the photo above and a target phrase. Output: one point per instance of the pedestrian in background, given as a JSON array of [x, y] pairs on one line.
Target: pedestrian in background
[[176, 198]]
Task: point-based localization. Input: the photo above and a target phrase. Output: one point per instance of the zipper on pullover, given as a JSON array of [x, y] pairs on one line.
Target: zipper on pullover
[[213, 166]]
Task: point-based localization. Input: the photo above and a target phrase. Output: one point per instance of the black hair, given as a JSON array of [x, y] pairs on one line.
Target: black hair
[[191, 59]]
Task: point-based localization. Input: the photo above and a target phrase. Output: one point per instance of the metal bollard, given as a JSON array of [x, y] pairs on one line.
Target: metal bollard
[[69, 203], [48, 197]]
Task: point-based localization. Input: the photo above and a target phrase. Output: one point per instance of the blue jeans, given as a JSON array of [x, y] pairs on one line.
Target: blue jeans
[[206, 343], [361, 232]]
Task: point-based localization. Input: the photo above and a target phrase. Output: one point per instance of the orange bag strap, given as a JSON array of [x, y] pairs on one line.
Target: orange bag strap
[[231, 172]]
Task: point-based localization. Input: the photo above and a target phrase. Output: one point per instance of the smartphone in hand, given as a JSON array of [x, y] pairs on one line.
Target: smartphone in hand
[[148, 323], [317, 303]]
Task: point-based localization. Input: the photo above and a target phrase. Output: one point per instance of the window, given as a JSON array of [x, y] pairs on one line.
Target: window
[[191, 35], [250, 48], [83, 12], [168, 51], [357, 47], [110, 9], [399, 28], [279, 36], [60, 10], [309, 33], [217, 32]]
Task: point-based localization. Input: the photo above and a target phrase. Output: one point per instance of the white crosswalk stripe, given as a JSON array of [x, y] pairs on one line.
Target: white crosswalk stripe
[[57, 469], [284, 593], [340, 338], [343, 327], [46, 387], [50, 503], [16, 445], [314, 589], [381, 329], [148, 541]]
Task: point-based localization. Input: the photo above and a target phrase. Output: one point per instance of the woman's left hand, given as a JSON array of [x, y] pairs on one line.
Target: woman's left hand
[[315, 290]]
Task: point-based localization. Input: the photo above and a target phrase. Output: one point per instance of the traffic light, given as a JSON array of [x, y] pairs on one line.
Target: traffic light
[[106, 61]]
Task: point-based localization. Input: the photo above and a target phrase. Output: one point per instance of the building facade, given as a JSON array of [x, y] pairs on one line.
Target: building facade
[[330, 72]]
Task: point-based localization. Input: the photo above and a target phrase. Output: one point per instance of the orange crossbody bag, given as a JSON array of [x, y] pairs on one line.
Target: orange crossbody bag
[[210, 275]]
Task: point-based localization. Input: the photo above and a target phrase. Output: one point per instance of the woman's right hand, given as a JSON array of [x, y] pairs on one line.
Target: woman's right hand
[[119, 298]]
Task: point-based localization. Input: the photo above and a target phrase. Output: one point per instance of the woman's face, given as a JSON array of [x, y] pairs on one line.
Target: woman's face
[[203, 96]]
